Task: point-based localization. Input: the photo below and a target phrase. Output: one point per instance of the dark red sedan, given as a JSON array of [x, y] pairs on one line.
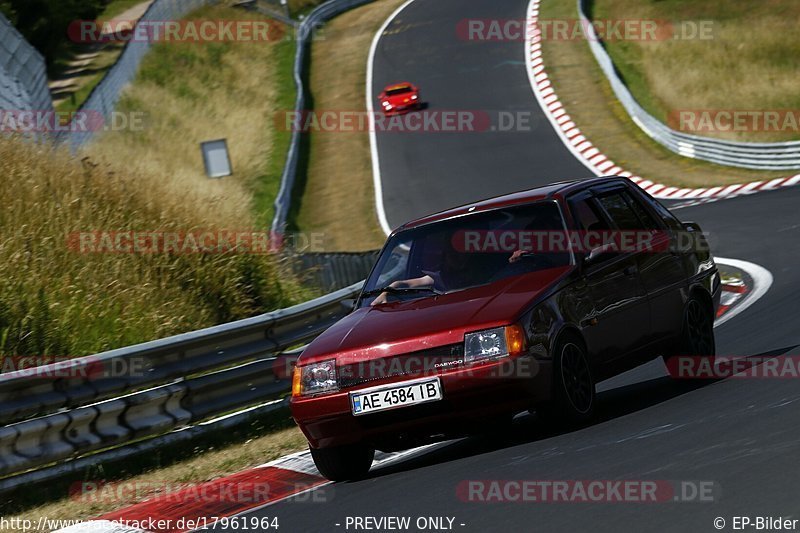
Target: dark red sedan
[[520, 302], [400, 98]]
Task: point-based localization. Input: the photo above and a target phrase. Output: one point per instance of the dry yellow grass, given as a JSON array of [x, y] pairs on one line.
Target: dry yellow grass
[[205, 467], [588, 98], [56, 302], [749, 61], [338, 197], [190, 93], [59, 302]]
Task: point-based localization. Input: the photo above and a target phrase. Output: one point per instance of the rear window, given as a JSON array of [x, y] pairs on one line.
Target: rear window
[[398, 90]]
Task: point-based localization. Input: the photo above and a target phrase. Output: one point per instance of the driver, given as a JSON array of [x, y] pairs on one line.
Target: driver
[[453, 273]]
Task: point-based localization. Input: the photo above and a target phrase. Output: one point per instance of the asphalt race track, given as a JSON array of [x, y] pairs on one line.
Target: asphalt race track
[[741, 436], [429, 171]]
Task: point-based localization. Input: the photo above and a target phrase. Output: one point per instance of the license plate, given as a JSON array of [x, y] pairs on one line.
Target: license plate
[[394, 396]]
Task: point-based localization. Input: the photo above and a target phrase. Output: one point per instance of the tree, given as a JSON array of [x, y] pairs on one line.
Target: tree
[[44, 23]]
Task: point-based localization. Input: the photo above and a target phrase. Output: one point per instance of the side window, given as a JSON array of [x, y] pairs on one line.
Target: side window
[[620, 211], [586, 216], [648, 222], [673, 223]]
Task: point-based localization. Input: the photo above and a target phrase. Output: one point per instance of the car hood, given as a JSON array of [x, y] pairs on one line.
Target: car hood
[[427, 322]]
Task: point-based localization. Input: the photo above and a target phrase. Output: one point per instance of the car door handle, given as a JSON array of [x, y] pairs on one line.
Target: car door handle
[[630, 270]]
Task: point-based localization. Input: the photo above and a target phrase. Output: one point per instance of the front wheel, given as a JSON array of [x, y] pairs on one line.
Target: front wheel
[[343, 463], [574, 395]]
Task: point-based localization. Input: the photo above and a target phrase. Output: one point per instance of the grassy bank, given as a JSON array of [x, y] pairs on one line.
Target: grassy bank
[[589, 100], [190, 93], [748, 62], [56, 301], [337, 195]]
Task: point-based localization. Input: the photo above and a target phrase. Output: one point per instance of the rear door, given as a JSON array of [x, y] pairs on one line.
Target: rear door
[[620, 323], [660, 268]]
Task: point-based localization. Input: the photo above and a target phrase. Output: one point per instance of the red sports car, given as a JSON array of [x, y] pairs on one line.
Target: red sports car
[[520, 302], [400, 98]]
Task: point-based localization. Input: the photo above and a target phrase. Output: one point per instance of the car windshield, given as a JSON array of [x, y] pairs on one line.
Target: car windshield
[[398, 90], [467, 251]]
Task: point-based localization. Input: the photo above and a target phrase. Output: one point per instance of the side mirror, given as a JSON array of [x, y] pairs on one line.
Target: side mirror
[[599, 253], [349, 304]]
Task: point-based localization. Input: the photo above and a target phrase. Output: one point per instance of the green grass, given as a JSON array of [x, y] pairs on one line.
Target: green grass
[[335, 193], [587, 97], [749, 63], [267, 185], [117, 7], [55, 301], [194, 93]]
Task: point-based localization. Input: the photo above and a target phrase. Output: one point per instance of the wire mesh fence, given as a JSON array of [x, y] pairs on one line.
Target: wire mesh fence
[[103, 99], [23, 74]]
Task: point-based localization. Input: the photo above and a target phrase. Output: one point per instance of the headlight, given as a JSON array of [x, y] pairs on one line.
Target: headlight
[[413, 96], [386, 104], [315, 378], [492, 343]]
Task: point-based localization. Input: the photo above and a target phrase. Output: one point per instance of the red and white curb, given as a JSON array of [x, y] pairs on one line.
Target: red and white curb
[[190, 508], [732, 292], [589, 155], [737, 295]]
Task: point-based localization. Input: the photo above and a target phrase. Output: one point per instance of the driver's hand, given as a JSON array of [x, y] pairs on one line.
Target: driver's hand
[[516, 256], [381, 299]]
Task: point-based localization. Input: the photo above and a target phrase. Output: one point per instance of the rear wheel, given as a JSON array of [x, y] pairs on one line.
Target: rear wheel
[[574, 394], [343, 463]]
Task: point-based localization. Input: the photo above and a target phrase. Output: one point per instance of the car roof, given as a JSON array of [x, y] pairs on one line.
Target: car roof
[[559, 188]]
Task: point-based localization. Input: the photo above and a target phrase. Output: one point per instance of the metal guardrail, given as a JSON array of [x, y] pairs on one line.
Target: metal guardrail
[[319, 15], [329, 271], [760, 156], [23, 75], [56, 414]]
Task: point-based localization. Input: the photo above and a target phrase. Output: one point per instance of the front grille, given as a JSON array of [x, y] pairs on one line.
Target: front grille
[[414, 364]]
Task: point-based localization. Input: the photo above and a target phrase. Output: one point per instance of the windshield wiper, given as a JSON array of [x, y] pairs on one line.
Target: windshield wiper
[[400, 290]]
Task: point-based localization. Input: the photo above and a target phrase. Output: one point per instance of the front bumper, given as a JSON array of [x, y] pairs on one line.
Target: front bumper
[[471, 395], [401, 110]]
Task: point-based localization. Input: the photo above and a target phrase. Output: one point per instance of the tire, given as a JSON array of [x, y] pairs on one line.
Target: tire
[[697, 335], [574, 395], [696, 338], [343, 463]]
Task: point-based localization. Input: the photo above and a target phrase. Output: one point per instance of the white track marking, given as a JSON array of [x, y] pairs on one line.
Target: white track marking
[[373, 139], [583, 150], [762, 281], [540, 99]]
